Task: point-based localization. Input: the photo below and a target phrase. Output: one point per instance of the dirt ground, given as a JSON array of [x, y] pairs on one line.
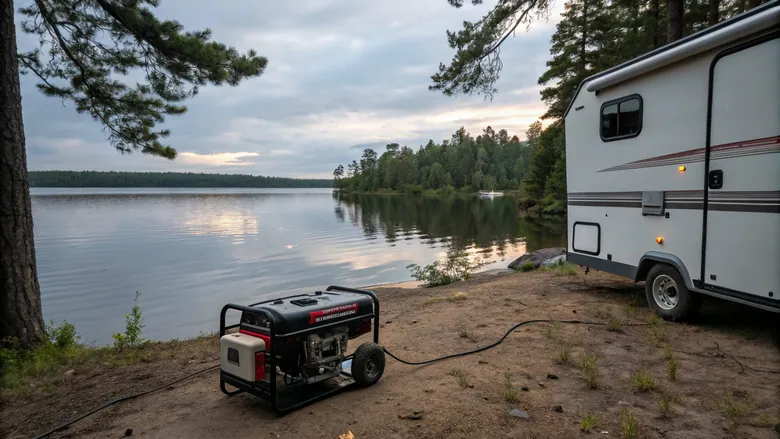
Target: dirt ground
[[727, 383]]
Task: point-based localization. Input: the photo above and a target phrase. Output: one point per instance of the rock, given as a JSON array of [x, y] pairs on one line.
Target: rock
[[388, 322], [558, 260], [129, 432], [524, 388], [552, 377], [482, 362], [538, 257], [517, 413], [541, 384], [414, 415], [69, 372], [557, 408]]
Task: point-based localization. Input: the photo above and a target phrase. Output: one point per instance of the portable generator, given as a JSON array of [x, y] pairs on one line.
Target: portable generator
[[292, 351]]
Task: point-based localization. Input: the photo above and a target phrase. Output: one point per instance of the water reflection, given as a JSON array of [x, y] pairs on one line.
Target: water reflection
[[488, 226]]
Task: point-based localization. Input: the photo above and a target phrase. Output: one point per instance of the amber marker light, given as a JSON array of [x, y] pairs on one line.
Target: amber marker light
[[659, 239], [681, 168]]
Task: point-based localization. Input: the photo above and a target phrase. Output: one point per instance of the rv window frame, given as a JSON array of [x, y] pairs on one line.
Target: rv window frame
[[617, 102]]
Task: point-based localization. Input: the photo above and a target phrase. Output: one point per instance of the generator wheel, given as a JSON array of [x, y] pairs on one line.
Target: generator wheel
[[368, 364], [668, 296]]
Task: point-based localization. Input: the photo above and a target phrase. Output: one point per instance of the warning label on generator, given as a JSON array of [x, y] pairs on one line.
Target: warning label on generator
[[332, 313]]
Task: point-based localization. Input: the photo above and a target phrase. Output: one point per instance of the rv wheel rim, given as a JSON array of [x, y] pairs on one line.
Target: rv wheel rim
[[665, 292], [372, 366]]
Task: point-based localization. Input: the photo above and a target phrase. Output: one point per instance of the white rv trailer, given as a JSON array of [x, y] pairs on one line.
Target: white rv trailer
[[673, 167]]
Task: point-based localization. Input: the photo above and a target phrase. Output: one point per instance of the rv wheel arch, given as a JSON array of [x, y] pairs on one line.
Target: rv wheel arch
[[650, 259]]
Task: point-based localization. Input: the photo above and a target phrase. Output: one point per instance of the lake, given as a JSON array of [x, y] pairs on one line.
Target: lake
[[190, 251]]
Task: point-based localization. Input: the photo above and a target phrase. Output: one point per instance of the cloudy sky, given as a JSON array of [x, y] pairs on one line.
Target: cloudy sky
[[342, 75]]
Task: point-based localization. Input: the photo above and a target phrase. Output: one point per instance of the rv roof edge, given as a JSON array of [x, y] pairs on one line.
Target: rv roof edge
[[742, 28]]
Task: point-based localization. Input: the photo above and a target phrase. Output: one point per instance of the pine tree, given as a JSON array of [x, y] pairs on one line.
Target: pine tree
[[90, 48], [575, 48]]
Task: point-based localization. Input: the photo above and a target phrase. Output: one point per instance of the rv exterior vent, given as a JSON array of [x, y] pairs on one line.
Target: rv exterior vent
[[653, 203]]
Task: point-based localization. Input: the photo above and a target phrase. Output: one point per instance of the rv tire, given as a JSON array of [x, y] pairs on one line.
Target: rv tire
[[668, 296]]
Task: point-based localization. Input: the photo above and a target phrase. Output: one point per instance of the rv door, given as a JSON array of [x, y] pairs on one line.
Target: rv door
[[741, 249]]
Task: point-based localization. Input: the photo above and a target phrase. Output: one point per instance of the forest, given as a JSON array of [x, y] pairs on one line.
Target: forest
[[593, 35], [165, 179]]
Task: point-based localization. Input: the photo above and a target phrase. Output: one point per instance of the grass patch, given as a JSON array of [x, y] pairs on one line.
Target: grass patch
[[467, 334], [643, 381], [765, 420], [457, 265], [668, 352], [590, 368], [553, 330], [671, 367], [629, 424], [614, 324], [526, 267], [452, 298], [657, 329], [510, 393], [665, 403], [463, 377], [564, 355], [735, 411], [589, 422], [561, 269]]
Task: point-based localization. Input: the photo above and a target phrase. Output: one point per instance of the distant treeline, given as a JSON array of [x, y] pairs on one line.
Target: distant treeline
[[165, 179]]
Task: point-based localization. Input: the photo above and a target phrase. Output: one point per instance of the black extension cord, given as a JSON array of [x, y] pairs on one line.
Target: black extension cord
[[124, 398], [497, 342]]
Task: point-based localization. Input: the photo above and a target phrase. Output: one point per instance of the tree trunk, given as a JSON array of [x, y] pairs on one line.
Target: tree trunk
[[20, 296], [584, 39], [675, 24], [714, 13], [753, 3], [656, 5]]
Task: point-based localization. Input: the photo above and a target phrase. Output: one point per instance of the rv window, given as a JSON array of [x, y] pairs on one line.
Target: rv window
[[609, 121], [630, 119], [621, 118]]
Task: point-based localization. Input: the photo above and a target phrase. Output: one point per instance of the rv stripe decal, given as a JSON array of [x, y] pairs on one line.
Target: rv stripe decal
[[724, 201], [767, 145]]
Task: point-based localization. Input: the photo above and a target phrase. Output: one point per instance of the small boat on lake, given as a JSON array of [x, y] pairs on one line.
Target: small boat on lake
[[490, 194]]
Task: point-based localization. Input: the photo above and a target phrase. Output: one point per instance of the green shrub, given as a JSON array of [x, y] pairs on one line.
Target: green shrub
[[134, 324], [456, 266], [44, 360], [526, 267]]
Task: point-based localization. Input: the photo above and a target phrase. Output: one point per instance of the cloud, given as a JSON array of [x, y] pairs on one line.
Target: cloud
[[342, 76], [218, 159]]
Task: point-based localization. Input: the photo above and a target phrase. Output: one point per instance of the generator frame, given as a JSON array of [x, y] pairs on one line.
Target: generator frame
[[287, 398]]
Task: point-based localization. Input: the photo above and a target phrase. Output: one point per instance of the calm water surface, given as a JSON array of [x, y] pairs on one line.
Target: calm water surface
[[190, 251]]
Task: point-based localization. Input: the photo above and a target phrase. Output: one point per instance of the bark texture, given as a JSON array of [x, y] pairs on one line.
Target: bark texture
[[675, 25], [20, 297]]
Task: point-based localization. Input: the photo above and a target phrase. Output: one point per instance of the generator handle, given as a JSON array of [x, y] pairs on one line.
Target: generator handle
[[242, 308], [373, 297]]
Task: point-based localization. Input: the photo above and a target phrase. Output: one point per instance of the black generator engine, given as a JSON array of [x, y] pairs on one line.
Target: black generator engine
[[293, 350]]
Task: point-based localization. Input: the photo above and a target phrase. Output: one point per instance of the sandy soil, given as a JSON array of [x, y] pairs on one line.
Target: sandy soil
[[729, 349]]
